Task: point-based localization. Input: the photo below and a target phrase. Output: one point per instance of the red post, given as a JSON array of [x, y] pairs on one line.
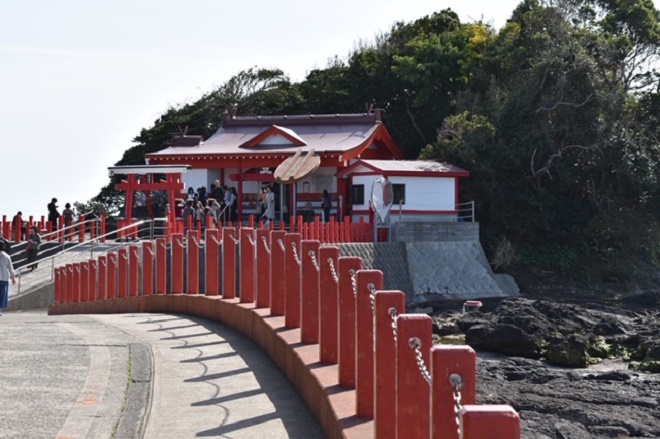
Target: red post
[[103, 222], [122, 277], [278, 273], [309, 329], [368, 281], [103, 276], [264, 252], [413, 391], [193, 261], [81, 228], [228, 262], [133, 270], [293, 281], [60, 229], [112, 275], [77, 297], [328, 297], [93, 270], [177, 263], [386, 305], [70, 294], [212, 262], [147, 268], [348, 267], [447, 361], [248, 255], [490, 422], [58, 285]]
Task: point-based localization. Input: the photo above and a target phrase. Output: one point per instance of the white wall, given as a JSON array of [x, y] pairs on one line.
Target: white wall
[[321, 179], [195, 178]]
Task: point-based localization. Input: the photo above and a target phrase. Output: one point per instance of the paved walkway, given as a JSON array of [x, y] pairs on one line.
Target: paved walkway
[[126, 375]]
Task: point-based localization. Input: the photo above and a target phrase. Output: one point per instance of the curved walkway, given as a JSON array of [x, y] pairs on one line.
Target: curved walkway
[[127, 375]]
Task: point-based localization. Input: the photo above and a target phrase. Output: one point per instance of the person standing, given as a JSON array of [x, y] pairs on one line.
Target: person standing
[[68, 213], [53, 214], [7, 273], [326, 205], [227, 201], [34, 242], [18, 234], [270, 205]]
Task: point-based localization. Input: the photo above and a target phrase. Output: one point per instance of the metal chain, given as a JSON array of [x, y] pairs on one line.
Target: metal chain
[[456, 382], [236, 241], [295, 253], [353, 274], [265, 241], [372, 296], [281, 244], [312, 255], [416, 344], [216, 240], [250, 239], [394, 315], [335, 277]]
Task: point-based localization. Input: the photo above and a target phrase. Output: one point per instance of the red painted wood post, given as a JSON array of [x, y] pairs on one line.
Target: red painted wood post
[[329, 304], [367, 281], [413, 391], [293, 280], [228, 262], [248, 256], [92, 229], [309, 327], [60, 229], [103, 276], [77, 271], [103, 222], [212, 262], [122, 269], [192, 258], [177, 263], [133, 270], [111, 275], [348, 267], [490, 422], [93, 276], [81, 228], [445, 362], [251, 221], [69, 283], [147, 268], [161, 265], [278, 272], [57, 285], [386, 305], [264, 252]]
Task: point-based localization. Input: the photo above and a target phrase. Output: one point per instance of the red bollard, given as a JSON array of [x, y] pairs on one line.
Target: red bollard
[[228, 262], [192, 256], [103, 222], [292, 280], [348, 267], [69, 283], [248, 255], [386, 305], [489, 422], [93, 270], [329, 302], [81, 228], [264, 253], [278, 273], [58, 285], [133, 271], [413, 391], [111, 276], [161, 266], [177, 263], [446, 362], [212, 262], [77, 297], [147, 268], [368, 281], [122, 269], [309, 328], [103, 270]]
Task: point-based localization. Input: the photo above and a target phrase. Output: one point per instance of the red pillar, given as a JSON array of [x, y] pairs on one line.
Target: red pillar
[[248, 255], [490, 422], [212, 262], [112, 275], [263, 266], [93, 273], [292, 280], [413, 391], [367, 280], [329, 303], [69, 283], [103, 276], [77, 297], [193, 261], [161, 265], [122, 277], [348, 267], [386, 302], [177, 263], [147, 268], [81, 228], [103, 221], [133, 270], [278, 273], [58, 285], [309, 328], [228, 262]]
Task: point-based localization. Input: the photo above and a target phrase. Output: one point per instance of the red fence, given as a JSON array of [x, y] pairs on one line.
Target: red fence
[[18, 228], [402, 382]]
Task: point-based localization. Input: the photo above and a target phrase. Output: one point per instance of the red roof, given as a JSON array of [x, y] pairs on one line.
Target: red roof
[[420, 168]]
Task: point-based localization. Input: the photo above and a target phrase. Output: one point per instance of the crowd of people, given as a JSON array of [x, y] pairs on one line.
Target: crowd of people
[[220, 204]]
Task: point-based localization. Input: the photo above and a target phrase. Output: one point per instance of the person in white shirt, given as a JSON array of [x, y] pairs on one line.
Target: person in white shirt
[[6, 273]]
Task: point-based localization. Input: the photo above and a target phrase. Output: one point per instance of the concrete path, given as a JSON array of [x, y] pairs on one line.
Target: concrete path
[[156, 376]]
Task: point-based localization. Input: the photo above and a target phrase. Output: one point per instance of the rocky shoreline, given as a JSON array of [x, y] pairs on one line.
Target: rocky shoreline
[[573, 371]]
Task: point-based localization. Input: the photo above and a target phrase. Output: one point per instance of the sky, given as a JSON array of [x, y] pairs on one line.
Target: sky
[[79, 79]]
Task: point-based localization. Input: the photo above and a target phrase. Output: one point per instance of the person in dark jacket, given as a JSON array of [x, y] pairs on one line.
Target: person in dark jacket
[[53, 213]]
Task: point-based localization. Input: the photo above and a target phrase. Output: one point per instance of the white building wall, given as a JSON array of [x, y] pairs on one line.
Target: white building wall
[[195, 178]]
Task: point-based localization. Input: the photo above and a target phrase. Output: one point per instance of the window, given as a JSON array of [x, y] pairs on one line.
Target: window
[[399, 193], [357, 194]]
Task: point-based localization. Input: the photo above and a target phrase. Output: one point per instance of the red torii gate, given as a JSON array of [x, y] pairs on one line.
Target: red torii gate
[[172, 184]]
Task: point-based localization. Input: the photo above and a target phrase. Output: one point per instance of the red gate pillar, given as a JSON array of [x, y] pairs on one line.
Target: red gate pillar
[[248, 255], [161, 265], [309, 328], [112, 275], [93, 270], [228, 262], [147, 268], [348, 267], [264, 254], [103, 270], [292, 282], [122, 277], [328, 328], [278, 273], [177, 263], [368, 281], [133, 270], [212, 262], [193, 261], [413, 391]]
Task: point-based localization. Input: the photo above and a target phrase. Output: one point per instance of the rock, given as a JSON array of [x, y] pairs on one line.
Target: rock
[[504, 339], [568, 352]]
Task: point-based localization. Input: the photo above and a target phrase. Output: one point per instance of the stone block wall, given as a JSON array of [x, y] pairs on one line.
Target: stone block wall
[[435, 232]]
